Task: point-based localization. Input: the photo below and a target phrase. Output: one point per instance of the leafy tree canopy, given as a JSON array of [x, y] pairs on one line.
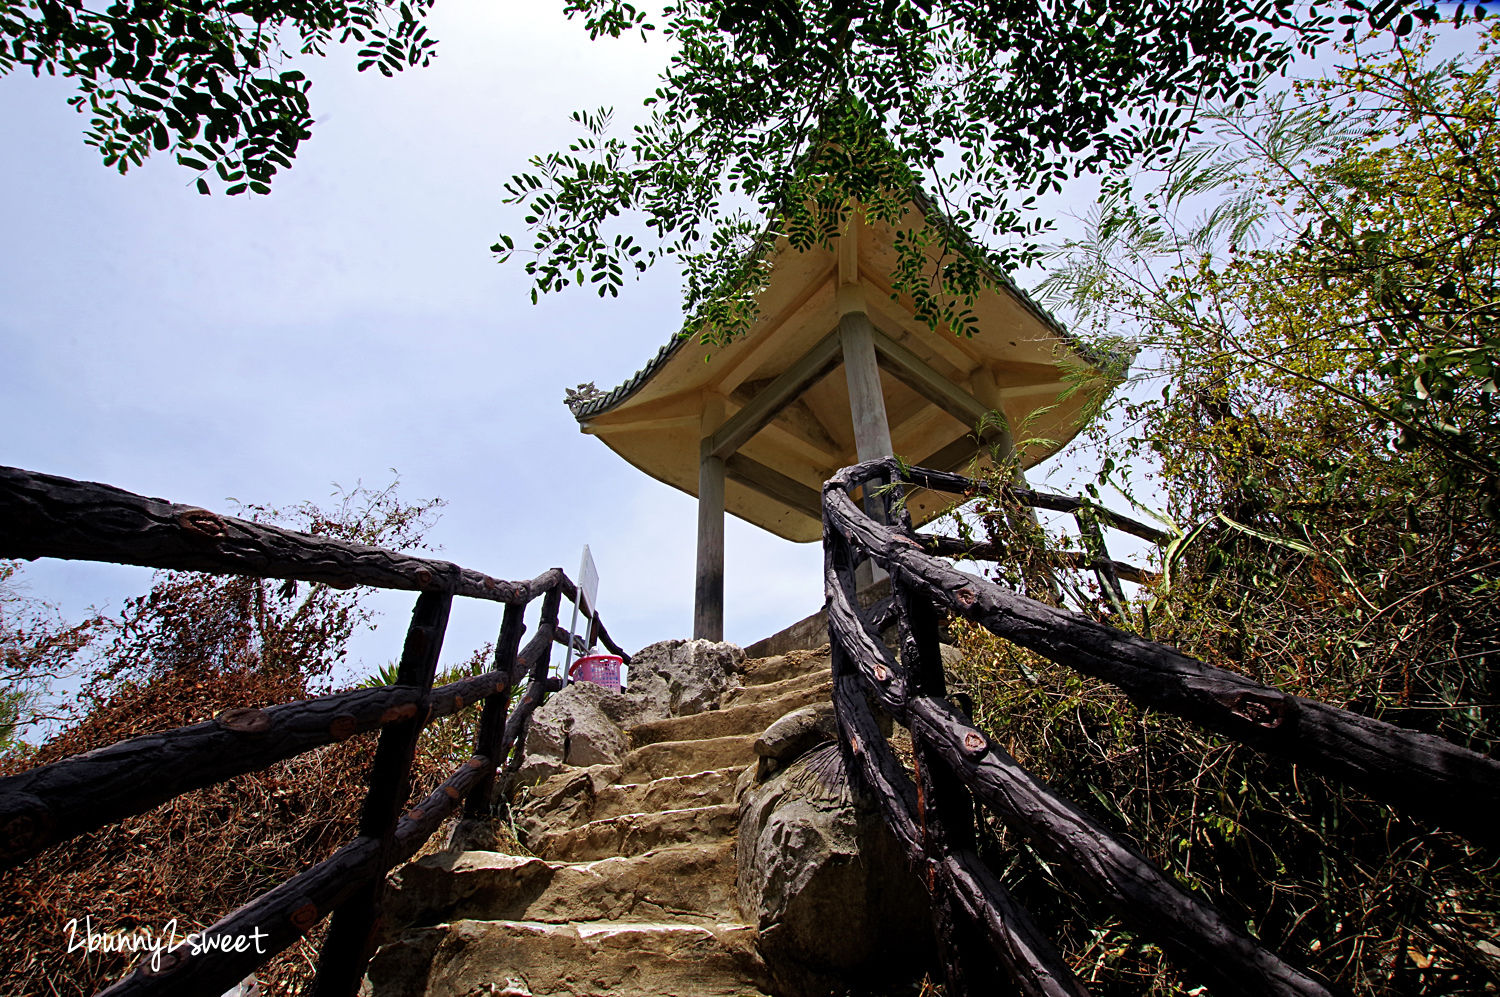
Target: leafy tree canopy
[[208, 79], [773, 119], [1314, 288], [1331, 261]]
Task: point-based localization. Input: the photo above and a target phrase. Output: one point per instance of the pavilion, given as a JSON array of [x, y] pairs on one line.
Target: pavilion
[[835, 370]]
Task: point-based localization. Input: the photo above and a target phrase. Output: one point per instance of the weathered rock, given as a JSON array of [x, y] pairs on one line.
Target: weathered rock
[[749, 718], [581, 725], [635, 834], [827, 884], [676, 677], [669, 758], [796, 732], [589, 959], [686, 882]]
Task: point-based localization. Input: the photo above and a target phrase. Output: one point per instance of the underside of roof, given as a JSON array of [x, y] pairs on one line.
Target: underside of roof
[[936, 386]]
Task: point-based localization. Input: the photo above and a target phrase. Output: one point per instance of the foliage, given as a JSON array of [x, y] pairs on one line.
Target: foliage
[[37, 647], [775, 121], [204, 80], [1350, 272], [192, 623], [1301, 281], [196, 645]]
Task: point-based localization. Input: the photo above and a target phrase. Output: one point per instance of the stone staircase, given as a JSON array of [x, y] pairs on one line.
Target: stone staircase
[[631, 891]]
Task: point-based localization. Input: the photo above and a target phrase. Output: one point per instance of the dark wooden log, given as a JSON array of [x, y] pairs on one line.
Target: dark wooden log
[[1033, 964], [945, 811], [279, 917], [52, 803], [455, 697], [1143, 896], [491, 731], [1424, 775], [351, 934], [538, 656], [42, 515], [1077, 560], [946, 481], [72, 796]]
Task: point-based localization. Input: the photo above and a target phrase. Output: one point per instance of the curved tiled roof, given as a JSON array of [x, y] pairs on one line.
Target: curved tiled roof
[[587, 406]]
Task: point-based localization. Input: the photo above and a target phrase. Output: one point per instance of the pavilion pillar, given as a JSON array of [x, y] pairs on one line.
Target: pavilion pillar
[[872, 431], [708, 599]]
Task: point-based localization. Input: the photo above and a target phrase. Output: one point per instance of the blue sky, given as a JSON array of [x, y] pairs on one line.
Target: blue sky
[[199, 348]]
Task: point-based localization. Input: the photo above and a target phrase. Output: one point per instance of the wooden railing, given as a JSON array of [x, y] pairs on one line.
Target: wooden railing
[[46, 516], [957, 767]]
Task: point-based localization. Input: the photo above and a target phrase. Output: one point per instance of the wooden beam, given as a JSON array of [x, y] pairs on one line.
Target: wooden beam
[[943, 345], [914, 372], [799, 422], [774, 485], [785, 325], [42, 515], [593, 428], [953, 456], [1053, 387], [899, 307], [848, 249], [797, 378]]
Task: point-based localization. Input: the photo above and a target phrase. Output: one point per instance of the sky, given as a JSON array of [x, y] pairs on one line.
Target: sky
[[205, 349]]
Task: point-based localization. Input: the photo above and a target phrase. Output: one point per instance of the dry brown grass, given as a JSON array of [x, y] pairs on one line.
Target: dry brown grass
[[199, 856]]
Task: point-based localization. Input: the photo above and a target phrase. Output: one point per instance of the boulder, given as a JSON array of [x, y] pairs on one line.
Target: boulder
[[584, 724], [794, 735], [826, 883], [674, 678]]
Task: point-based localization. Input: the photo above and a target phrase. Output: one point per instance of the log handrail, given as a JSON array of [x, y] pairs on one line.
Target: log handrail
[[44, 515], [958, 766]]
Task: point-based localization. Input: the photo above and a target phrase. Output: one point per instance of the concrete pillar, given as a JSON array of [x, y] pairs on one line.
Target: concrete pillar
[[872, 431], [708, 601], [708, 597]]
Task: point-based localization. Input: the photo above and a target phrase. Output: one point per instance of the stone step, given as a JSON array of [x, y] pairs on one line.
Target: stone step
[[751, 718], [592, 795], [690, 883], [744, 694], [669, 758], [763, 671], [600, 959], [635, 834]]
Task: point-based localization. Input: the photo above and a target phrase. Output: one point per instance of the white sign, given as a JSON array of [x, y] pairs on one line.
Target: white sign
[[588, 590], [588, 580]]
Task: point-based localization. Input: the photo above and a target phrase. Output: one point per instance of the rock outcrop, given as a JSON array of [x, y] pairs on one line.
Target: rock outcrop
[[585, 724], [676, 677], [819, 874], [633, 889]]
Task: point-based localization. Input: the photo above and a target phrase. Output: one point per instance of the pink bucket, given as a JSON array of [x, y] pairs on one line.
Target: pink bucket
[[600, 669]]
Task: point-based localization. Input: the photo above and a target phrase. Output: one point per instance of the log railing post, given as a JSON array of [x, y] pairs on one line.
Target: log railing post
[[491, 733], [539, 655], [945, 808], [351, 934]]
